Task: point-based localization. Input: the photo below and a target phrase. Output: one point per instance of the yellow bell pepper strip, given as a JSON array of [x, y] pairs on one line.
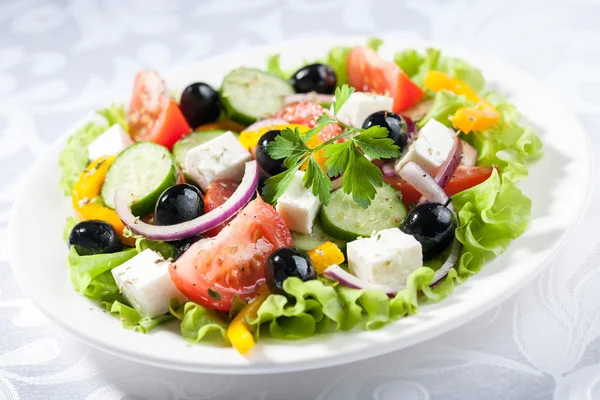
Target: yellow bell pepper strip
[[325, 255], [475, 118], [239, 332], [436, 81], [467, 119], [249, 139], [319, 156], [87, 188]]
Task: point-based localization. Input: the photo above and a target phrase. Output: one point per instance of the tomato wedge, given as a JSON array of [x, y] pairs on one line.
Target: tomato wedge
[[214, 270], [464, 178], [367, 72], [153, 115], [217, 193]]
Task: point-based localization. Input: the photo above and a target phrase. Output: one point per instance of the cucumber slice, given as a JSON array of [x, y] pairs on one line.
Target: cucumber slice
[[144, 170], [315, 239], [342, 218], [250, 94], [192, 140]]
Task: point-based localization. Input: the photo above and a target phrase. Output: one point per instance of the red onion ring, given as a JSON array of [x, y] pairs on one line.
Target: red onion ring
[[470, 154], [211, 219], [426, 185], [418, 178], [344, 277], [311, 97], [336, 183], [266, 123], [448, 168], [388, 168]]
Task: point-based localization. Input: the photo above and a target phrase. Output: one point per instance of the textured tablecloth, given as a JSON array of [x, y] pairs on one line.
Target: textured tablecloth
[[60, 59]]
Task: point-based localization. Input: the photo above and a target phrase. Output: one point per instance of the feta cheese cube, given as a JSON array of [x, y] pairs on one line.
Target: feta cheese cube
[[113, 141], [220, 158], [360, 105], [298, 206], [431, 147], [146, 283], [386, 258]]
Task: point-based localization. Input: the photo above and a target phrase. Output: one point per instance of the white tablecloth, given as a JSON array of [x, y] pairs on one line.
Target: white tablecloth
[[59, 59]]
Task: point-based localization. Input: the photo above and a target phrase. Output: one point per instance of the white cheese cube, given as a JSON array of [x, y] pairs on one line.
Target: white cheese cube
[[113, 141], [146, 283], [298, 206], [360, 105], [431, 147], [223, 157], [386, 258]]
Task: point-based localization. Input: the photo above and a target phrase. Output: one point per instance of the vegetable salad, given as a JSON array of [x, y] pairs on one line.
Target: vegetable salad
[[288, 203]]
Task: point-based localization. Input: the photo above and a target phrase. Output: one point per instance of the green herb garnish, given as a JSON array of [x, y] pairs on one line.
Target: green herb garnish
[[360, 178]]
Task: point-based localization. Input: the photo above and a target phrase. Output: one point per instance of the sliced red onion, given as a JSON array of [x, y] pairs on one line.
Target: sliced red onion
[[412, 130], [269, 122], [418, 178], [336, 183], [211, 219], [448, 167], [448, 264], [470, 154], [311, 97], [426, 185], [344, 277], [388, 168]]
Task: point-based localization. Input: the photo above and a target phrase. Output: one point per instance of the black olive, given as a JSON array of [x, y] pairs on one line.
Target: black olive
[[200, 104], [261, 185], [94, 237], [394, 123], [178, 204], [318, 78], [284, 263], [182, 245], [433, 225], [267, 163]]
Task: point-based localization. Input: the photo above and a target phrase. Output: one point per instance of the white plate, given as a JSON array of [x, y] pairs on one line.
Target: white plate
[[558, 186]]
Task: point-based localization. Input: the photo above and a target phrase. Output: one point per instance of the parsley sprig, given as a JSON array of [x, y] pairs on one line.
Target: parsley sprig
[[360, 177]]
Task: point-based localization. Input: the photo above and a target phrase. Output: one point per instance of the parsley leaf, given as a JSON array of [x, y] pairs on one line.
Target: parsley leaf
[[338, 155], [276, 185], [360, 178], [318, 180], [375, 143], [341, 95], [288, 145]]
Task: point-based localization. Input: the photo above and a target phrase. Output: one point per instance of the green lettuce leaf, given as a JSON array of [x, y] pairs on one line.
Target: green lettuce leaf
[[91, 276], [507, 144], [131, 319], [84, 269], [491, 216], [445, 104], [73, 158], [198, 322], [417, 66]]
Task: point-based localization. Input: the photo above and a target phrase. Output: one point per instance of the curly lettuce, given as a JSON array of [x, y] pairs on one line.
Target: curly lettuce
[[491, 216], [92, 277], [198, 322], [74, 157]]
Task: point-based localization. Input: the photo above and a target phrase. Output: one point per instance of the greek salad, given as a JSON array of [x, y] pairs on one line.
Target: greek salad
[[342, 193]]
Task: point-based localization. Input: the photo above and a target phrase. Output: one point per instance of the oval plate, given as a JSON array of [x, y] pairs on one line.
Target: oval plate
[[558, 186]]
